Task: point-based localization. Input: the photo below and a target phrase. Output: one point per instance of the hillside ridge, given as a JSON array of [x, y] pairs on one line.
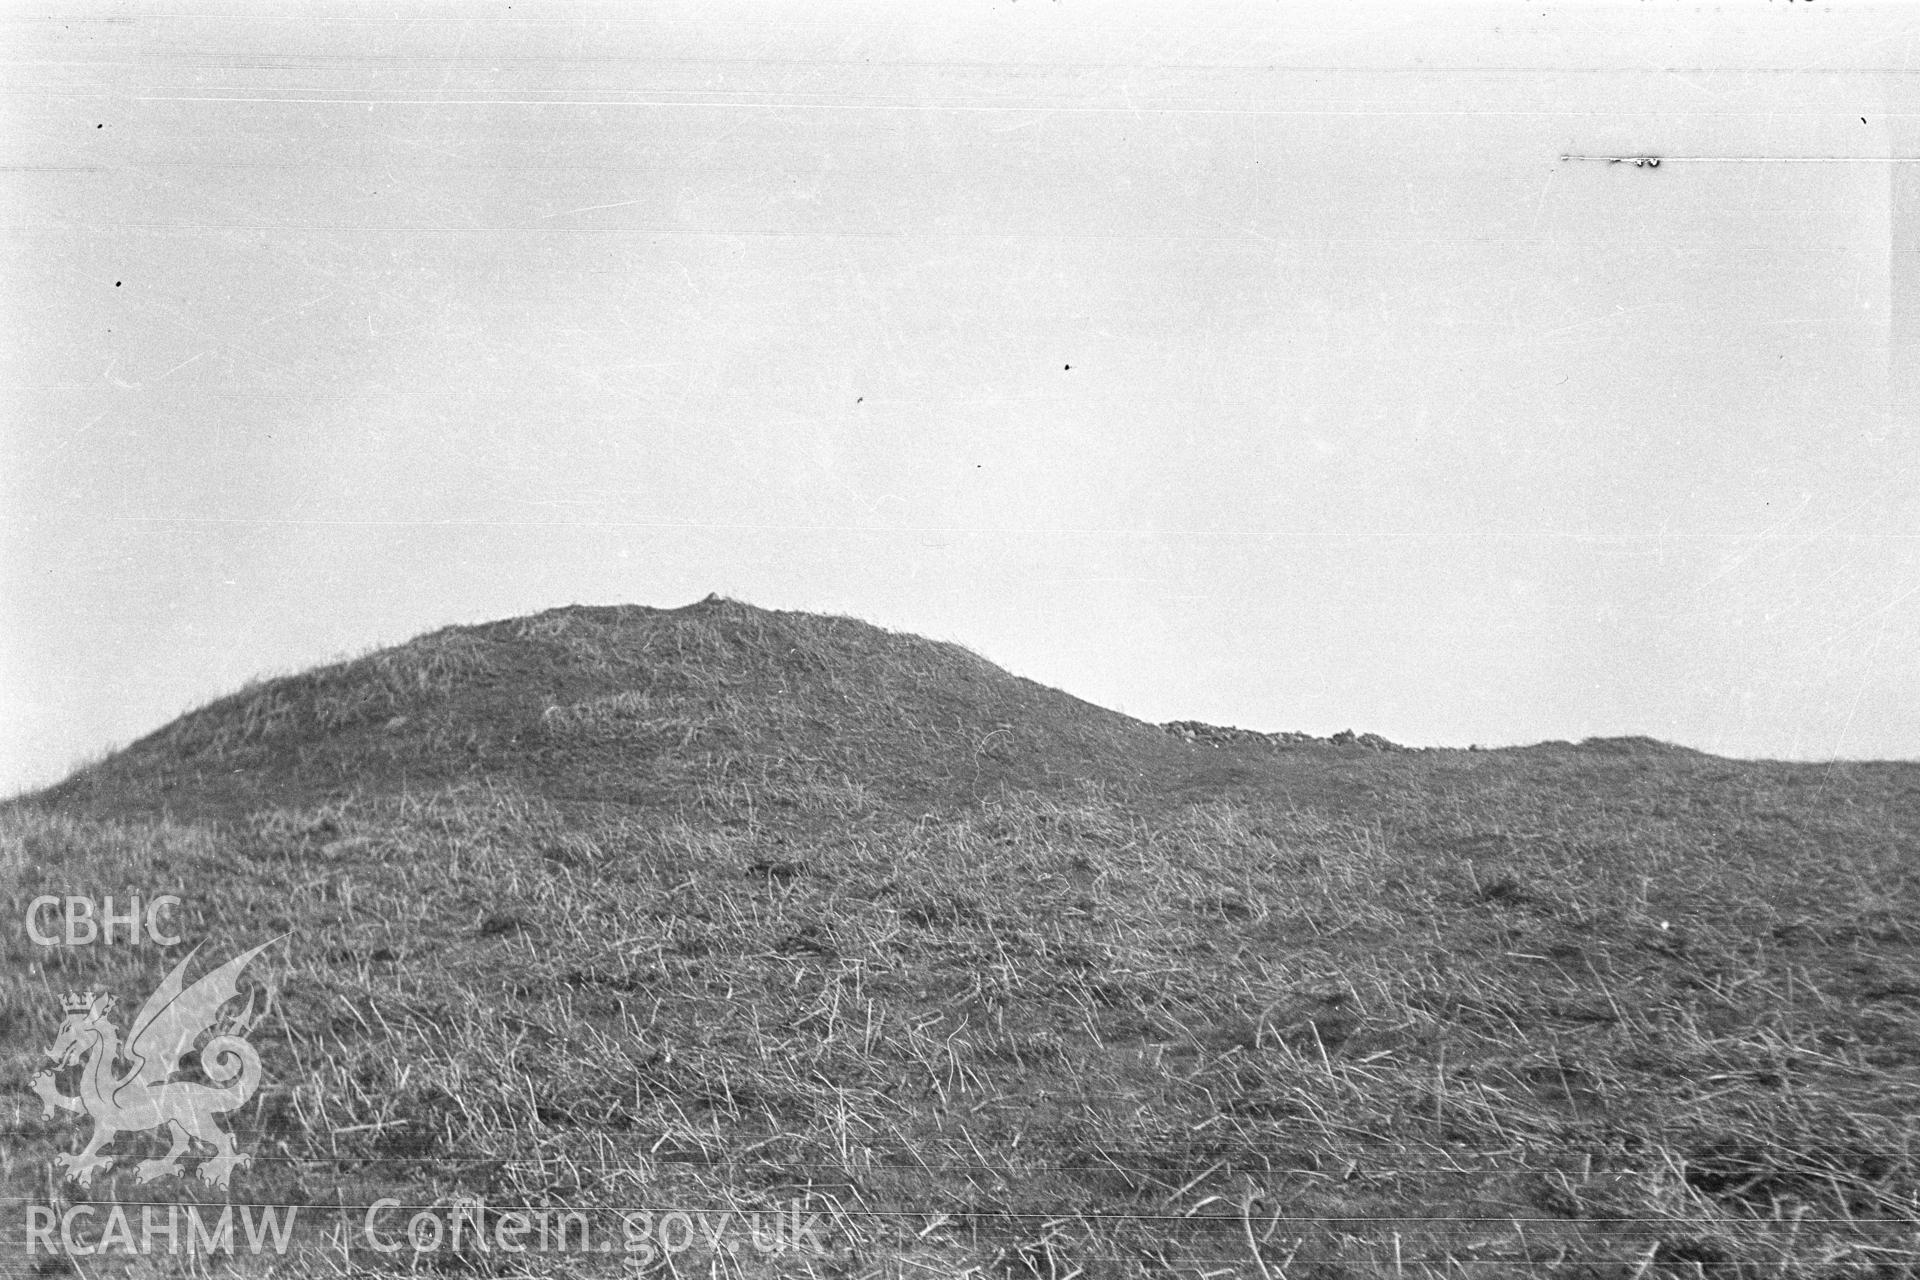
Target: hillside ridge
[[631, 702], [723, 906]]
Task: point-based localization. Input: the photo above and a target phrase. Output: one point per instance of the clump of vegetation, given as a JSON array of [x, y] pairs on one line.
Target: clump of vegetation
[[723, 909]]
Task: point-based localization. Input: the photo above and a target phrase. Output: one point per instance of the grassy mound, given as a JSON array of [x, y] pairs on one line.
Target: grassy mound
[[721, 910], [628, 704]]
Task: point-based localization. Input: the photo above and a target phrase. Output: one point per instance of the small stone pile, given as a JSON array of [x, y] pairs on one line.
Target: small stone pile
[[1219, 736]]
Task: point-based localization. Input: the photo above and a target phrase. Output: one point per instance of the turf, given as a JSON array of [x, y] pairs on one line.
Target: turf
[[722, 910]]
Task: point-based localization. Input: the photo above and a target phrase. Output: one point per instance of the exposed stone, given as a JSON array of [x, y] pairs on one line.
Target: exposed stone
[[1218, 736]]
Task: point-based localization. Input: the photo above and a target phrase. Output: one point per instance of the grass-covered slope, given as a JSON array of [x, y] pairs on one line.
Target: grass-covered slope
[[718, 909], [628, 704]]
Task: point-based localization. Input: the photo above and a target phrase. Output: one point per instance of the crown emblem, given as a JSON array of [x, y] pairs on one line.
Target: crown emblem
[[77, 1003]]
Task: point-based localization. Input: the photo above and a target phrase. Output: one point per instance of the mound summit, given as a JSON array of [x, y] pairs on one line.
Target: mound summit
[[632, 704]]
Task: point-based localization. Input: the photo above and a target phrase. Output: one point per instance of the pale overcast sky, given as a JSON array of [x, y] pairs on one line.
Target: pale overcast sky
[[1258, 363]]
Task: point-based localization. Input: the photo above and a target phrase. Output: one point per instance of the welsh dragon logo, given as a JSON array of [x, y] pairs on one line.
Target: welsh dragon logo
[[145, 1095]]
